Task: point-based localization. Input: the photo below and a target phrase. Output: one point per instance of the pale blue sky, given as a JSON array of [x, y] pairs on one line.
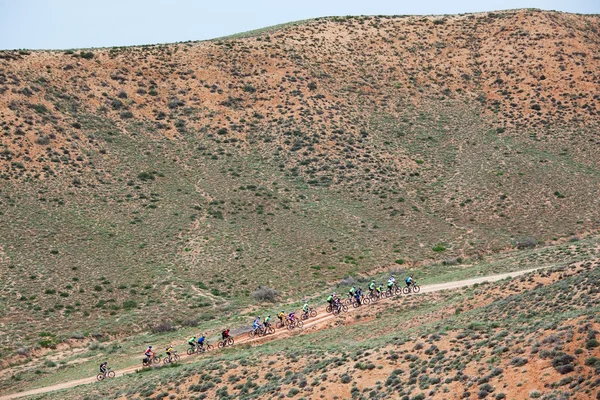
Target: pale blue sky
[[62, 24]]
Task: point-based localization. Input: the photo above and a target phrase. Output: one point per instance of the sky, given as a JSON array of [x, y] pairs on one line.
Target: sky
[[65, 24]]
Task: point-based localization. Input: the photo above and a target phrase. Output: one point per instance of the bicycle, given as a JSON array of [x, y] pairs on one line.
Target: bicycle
[[413, 286], [296, 323], [225, 342], [308, 314], [173, 358], [200, 348], [255, 331], [364, 300], [336, 303], [266, 330], [108, 374], [339, 308], [282, 323], [154, 359]]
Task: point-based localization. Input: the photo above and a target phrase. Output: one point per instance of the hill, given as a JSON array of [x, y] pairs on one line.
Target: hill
[[166, 183]]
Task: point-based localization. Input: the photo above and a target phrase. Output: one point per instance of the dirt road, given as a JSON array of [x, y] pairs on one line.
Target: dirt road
[[321, 319]]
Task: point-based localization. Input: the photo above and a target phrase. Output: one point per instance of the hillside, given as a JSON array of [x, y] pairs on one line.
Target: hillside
[[166, 183], [533, 336]]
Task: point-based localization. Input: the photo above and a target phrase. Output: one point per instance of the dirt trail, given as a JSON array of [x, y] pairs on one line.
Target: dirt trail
[[320, 320]]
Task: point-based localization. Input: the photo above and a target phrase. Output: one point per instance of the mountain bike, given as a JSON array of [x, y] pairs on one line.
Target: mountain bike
[[256, 331], [154, 359], [200, 348], [266, 330], [225, 342], [413, 287], [308, 314], [108, 374], [364, 300], [339, 308], [173, 358], [296, 323], [282, 323]]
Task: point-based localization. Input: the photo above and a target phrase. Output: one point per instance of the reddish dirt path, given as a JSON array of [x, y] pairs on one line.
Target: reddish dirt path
[[319, 321]]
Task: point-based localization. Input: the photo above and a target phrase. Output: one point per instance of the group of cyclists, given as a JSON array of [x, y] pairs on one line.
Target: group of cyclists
[[285, 319], [357, 296]]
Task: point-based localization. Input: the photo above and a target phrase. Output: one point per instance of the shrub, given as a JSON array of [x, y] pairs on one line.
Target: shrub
[[265, 293], [129, 304], [518, 361], [164, 327], [526, 242], [591, 344], [146, 176], [438, 248], [126, 115], [563, 363], [399, 261], [88, 55], [345, 378], [43, 140]]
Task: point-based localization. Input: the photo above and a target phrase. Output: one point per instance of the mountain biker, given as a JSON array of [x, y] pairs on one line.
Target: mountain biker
[[292, 316], [281, 316], [225, 334], [357, 295], [267, 321], [148, 353], [390, 282], [305, 307], [201, 340], [359, 292], [169, 351], [351, 291], [256, 323], [192, 342], [409, 281], [372, 287], [330, 300], [103, 368], [379, 288]]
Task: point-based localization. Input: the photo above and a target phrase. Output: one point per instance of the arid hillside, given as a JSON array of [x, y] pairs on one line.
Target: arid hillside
[[144, 181]]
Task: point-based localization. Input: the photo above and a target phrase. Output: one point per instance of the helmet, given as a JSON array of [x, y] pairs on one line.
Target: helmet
[[258, 316], [282, 310], [269, 316], [334, 293], [104, 363], [149, 347], [392, 276]]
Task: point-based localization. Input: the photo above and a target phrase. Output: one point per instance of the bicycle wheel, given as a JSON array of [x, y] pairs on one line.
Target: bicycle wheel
[[336, 311], [280, 325], [406, 290], [416, 288], [221, 344], [190, 351], [252, 333], [304, 316], [156, 360], [313, 313], [167, 360], [291, 325], [111, 374], [366, 301], [299, 324], [100, 377], [230, 341], [348, 301], [397, 290], [271, 330], [345, 308], [355, 304], [328, 308]]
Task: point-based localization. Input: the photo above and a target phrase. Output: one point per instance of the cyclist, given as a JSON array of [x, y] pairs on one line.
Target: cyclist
[[351, 291], [357, 295], [379, 289], [225, 334], [281, 316], [292, 316], [256, 323], [103, 368], [330, 300], [169, 351], [192, 342], [372, 286], [149, 354], [305, 309], [409, 281], [267, 321], [201, 340]]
